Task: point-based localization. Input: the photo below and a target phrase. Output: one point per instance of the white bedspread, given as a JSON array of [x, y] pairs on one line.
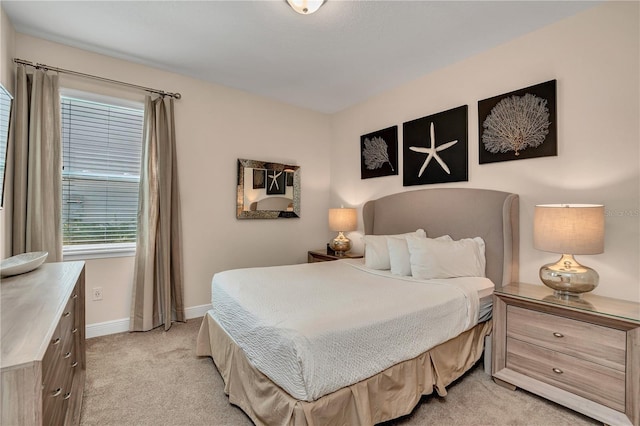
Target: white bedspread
[[315, 328]]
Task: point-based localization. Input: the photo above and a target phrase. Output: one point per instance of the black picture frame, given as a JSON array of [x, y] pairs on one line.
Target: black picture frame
[[379, 153], [289, 179], [275, 182], [258, 178], [501, 116], [448, 160]]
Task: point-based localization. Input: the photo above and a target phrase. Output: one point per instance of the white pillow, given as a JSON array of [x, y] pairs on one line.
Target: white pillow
[[432, 258], [399, 254], [376, 251]]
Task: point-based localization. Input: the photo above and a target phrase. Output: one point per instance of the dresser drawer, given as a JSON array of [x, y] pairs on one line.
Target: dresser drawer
[[593, 381], [68, 318], [51, 355], [51, 377], [67, 387], [598, 344], [68, 338]]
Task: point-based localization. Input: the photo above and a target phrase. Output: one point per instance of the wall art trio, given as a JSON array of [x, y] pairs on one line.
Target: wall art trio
[[517, 125]]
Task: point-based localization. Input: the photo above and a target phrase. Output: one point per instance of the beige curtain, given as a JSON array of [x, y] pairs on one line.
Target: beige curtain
[[37, 165], [157, 287]]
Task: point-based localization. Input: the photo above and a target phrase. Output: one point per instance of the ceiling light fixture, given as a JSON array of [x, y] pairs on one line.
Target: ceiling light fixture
[[305, 7]]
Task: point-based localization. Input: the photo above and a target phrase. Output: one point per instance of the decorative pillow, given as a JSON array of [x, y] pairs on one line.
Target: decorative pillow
[[431, 258], [399, 254], [376, 252]]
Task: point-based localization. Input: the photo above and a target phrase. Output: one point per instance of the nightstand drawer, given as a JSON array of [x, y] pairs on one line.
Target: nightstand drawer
[[594, 343], [590, 380]]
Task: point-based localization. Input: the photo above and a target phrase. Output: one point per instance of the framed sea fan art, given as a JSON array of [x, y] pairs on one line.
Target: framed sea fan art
[[379, 153], [435, 148], [518, 125], [258, 178]]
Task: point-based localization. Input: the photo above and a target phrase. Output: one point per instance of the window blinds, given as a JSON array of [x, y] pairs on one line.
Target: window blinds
[[102, 146]]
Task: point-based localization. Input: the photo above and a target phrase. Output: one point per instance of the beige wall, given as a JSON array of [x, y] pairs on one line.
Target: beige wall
[[215, 126], [594, 56]]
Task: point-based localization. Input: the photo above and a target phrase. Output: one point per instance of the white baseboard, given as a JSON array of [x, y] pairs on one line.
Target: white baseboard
[[197, 311], [107, 327], [122, 325]]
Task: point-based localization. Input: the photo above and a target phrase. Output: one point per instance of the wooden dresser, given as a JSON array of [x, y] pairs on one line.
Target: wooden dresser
[[581, 353], [43, 345]]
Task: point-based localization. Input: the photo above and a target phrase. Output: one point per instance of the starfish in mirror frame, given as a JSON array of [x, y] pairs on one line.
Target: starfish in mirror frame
[[433, 152], [274, 181]]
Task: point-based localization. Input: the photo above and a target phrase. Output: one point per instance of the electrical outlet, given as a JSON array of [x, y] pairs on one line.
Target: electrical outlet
[[97, 293]]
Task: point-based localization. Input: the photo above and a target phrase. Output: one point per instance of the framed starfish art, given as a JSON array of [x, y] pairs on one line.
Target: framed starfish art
[[276, 182], [436, 148]]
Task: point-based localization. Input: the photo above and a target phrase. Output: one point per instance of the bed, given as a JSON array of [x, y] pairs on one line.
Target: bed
[[349, 342]]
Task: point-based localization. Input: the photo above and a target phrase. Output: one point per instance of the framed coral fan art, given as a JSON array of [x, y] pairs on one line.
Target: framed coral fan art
[[435, 148], [379, 153], [258, 178], [518, 125]]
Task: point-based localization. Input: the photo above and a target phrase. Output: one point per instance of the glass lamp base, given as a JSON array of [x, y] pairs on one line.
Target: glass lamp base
[[568, 300], [568, 278], [341, 244]]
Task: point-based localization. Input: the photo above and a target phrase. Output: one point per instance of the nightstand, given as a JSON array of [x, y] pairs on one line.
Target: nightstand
[[322, 256], [581, 353]]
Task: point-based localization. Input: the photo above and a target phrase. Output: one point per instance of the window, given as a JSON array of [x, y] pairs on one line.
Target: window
[[102, 146]]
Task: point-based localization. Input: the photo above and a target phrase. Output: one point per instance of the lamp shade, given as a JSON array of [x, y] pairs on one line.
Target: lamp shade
[[341, 220], [569, 228]]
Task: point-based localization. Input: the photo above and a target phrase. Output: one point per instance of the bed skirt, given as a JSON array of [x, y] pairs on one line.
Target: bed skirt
[[388, 395]]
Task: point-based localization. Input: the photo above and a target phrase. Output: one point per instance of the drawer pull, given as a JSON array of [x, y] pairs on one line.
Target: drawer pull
[[56, 393], [67, 355], [75, 296], [66, 314], [558, 334], [67, 395], [557, 370], [74, 331], [56, 341], [75, 363]]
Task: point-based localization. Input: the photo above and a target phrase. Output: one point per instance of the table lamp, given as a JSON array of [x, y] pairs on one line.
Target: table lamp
[[569, 229], [342, 220]]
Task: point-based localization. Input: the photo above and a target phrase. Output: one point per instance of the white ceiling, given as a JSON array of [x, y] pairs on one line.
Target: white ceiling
[[343, 54]]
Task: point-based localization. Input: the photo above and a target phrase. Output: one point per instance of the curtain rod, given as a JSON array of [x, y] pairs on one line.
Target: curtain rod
[[95, 77]]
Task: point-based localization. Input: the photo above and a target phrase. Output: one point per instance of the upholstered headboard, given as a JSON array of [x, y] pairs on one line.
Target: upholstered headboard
[[460, 213], [272, 203]]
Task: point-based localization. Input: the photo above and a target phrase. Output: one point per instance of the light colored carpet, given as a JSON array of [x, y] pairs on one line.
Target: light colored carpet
[[155, 378]]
